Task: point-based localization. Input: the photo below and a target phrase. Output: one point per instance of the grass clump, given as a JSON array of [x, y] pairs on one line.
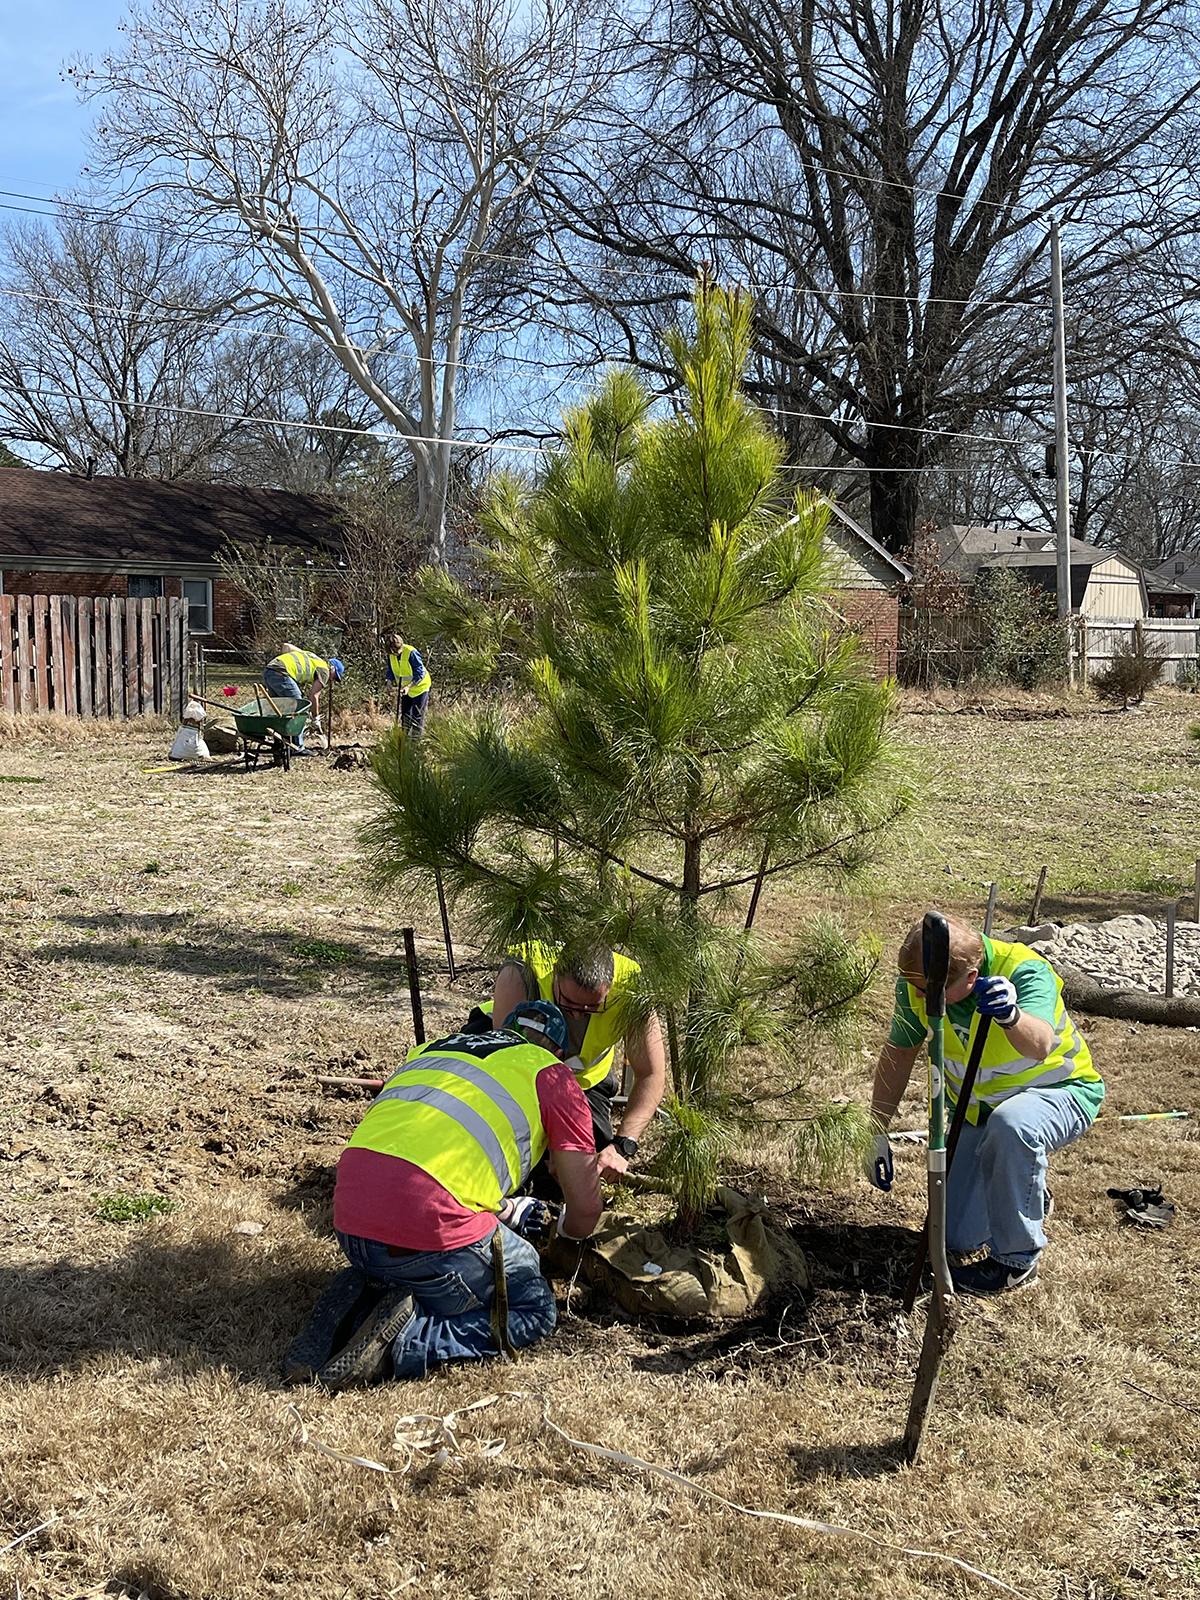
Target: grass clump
[[131, 1207]]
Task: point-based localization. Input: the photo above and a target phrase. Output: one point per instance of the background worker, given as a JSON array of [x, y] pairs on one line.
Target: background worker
[[301, 675], [590, 983], [408, 672], [422, 1203], [1036, 1092]]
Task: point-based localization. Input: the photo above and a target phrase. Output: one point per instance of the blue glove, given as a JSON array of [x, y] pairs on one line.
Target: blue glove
[[878, 1164], [532, 1219], [997, 998]]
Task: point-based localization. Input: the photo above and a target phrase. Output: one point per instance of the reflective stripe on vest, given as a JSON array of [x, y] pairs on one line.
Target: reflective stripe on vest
[[402, 672], [472, 1123], [1003, 1071], [300, 665]]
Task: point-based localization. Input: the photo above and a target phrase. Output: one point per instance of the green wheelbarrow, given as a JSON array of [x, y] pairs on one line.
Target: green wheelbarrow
[[266, 731]]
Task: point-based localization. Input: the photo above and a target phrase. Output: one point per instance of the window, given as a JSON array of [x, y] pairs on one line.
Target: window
[[198, 594], [289, 597], [144, 588], [1180, 566]]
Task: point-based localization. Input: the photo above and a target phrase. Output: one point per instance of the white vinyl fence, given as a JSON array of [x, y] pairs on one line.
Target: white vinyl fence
[[1177, 638]]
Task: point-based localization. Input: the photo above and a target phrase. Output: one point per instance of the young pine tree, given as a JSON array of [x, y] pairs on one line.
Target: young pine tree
[[695, 726]]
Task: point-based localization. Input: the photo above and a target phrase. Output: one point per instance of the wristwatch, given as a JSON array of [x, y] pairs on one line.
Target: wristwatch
[[627, 1147]]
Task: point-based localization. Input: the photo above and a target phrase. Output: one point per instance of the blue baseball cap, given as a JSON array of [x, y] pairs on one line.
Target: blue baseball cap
[[544, 1021], [338, 668]]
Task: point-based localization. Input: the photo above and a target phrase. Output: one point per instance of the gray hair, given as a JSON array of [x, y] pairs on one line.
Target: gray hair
[[588, 965]]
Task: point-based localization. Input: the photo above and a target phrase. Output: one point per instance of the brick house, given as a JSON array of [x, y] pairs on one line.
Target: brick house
[[868, 581], [136, 537]]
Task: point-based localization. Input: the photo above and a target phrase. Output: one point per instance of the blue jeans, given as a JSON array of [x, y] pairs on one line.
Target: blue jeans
[[454, 1291], [996, 1192], [278, 683], [412, 713]]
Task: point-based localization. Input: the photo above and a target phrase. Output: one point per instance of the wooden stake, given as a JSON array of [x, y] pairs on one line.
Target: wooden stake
[[351, 1083], [1037, 897], [1170, 950], [1196, 895], [989, 915], [414, 983]]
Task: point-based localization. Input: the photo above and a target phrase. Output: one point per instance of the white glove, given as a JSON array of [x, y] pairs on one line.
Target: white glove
[[878, 1164], [531, 1218], [997, 998]]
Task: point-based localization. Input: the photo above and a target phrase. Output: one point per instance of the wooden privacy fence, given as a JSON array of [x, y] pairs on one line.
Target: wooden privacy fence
[[1176, 639], [105, 657]]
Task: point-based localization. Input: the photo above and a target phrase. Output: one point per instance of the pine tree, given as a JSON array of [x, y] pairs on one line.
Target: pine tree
[[693, 726]]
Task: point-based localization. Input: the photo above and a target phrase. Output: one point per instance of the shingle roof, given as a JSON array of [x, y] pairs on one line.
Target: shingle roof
[[132, 521]]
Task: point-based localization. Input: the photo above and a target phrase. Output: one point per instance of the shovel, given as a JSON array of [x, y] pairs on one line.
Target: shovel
[[942, 1318]]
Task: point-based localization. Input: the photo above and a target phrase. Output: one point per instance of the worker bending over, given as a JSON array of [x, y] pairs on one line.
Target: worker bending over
[[408, 672], [301, 675], [591, 984], [1037, 1091], [442, 1267]]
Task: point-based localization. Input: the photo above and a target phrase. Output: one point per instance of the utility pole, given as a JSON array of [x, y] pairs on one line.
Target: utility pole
[[1062, 519]]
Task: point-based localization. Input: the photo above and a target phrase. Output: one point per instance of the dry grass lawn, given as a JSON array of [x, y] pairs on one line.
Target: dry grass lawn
[[183, 952]]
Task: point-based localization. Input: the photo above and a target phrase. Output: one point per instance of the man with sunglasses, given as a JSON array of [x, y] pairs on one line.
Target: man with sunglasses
[[591, 985]]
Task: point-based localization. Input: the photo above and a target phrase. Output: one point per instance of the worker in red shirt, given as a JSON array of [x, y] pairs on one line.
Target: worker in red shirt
[[441, 1254]]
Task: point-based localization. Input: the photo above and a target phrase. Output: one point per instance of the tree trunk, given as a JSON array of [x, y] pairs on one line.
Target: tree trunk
[[894, 494]]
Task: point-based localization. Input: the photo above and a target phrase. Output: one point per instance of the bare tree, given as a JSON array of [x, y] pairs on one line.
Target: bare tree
[[369, 163], [108, 351], [883, 174]]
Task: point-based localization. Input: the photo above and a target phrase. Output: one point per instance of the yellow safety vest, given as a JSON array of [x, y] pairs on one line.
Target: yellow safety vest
[[606, 1029], [465, 1110], [1003, 1071], [401, 666], [301, 666]]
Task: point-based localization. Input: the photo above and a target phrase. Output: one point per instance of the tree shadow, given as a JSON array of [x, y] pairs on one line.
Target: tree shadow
[[216, 1303], [235, 958], [846, 1460]]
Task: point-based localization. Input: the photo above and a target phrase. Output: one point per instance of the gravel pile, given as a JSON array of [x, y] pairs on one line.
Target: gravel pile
[[1124, 952]]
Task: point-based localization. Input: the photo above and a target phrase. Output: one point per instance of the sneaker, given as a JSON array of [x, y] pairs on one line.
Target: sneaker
[[367, 1354], [329, 1325], [990, 1276]]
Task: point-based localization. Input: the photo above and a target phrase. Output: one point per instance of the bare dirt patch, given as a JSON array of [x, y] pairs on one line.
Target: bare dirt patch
[[183, 953]]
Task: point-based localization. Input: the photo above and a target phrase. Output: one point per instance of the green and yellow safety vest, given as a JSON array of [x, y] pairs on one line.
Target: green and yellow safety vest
[[605, 1029], [301, 666], [401, 666], [1003, 1070], [465, 1110]]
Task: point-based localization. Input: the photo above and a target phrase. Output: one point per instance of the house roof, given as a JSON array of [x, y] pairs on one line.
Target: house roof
[[971, 548], [903, 573], [1157, 583], [1082, 555], [114, 523]]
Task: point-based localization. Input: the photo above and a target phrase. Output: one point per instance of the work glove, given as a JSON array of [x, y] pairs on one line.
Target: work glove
[[532, 1219], [878, 1164], [997, 999]]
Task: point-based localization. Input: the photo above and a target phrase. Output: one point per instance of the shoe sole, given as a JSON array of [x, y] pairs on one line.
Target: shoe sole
[[319, 1338], [364, 1358]]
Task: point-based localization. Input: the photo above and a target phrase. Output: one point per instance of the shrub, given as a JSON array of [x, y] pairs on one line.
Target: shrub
[[1133, 671], [1023, 642]]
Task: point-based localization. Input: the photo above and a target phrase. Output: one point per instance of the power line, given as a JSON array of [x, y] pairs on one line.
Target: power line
[[271, 333], [119, 219]]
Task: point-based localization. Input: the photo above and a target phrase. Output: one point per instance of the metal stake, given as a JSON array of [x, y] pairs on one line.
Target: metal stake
[[1170, 950], [441, 894], [989, 915], [1037, 897]]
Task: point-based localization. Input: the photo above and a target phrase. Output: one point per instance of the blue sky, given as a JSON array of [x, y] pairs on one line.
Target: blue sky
[[43, 130]]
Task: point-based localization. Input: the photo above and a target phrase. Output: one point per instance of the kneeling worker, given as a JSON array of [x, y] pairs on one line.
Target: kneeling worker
[[423, 1214], [589, 984], [1037, 1091]]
